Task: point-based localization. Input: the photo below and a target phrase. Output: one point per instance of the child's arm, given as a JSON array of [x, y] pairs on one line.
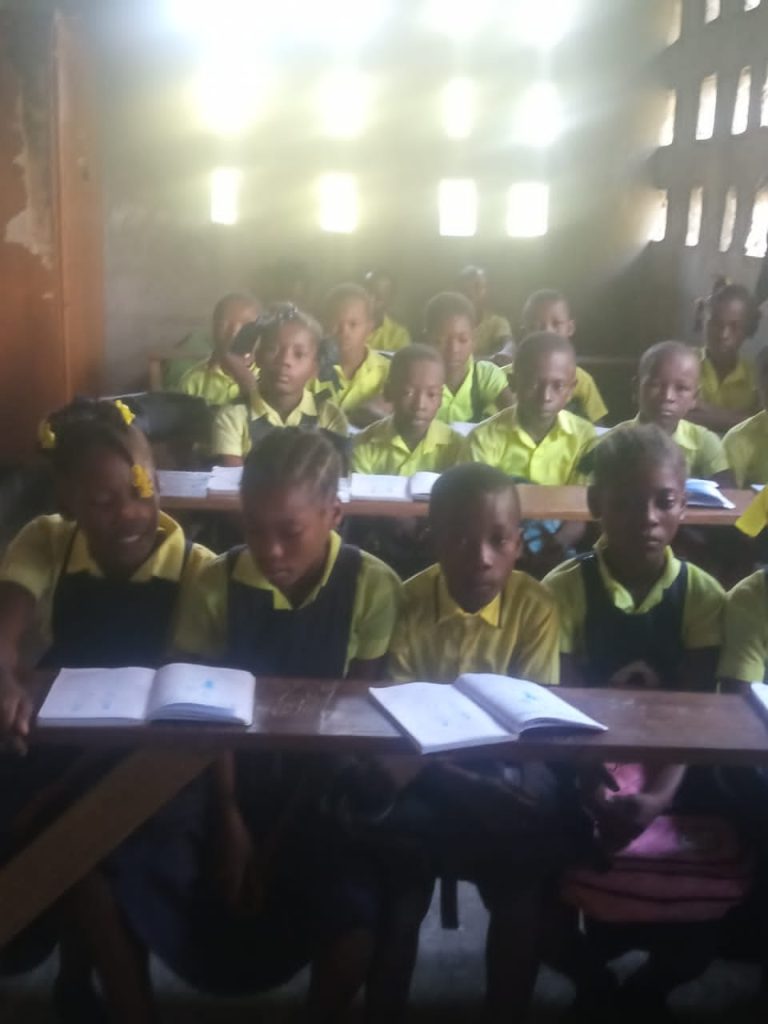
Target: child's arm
[[239, 371], [715, 418], [369, 412], [505, 399], [370, 670]]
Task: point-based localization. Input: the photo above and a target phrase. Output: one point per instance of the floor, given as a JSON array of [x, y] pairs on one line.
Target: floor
[[446, 989]]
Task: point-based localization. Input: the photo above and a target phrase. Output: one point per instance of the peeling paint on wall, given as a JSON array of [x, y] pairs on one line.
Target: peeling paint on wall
[[31, 226]]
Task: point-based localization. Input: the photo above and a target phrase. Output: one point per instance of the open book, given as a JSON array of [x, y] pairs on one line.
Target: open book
[[706, 494], [367, 487], [226, 480], [476, 711], [131, 696]]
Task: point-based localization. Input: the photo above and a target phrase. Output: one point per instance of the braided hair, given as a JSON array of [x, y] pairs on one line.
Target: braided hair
[[738, 293], [292, 456], [72, 433]]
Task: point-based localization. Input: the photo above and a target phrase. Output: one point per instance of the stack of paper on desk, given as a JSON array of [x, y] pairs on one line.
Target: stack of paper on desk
[[369, 487]]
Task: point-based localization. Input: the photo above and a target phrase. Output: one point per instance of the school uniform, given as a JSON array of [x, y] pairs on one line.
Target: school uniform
[[502, 442], [389, 336], [380, 449], [236, 428], [744, 654], [746, 448], [586, 401], [737, 391], [703, 450], [491, 332], [476, 396], [366, 383], [210, 382], [514, 634]]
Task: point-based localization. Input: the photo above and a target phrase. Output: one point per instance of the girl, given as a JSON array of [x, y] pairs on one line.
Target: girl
[[286, 343], [632, 615], [472, 390], [99, 586]]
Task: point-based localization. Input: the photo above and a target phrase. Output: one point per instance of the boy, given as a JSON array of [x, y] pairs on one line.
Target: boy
[[728, 394], [358, 376], [388, 335], [230, 313], [411, 439], [548, 310], [746, 445], [473, 389], [492, 331], [668, 386], [229, 375]]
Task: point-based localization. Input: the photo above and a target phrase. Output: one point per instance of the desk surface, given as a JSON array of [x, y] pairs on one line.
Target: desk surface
[[338, 716], [538, 502]]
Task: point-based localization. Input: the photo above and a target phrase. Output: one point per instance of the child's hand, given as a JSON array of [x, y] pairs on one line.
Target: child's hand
[[638, 675], [623, 817], [15, 712]]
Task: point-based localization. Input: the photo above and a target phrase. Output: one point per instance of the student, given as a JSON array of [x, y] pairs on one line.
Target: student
[[667, 389], [388, 335], [728, 394], [230, 313], [411, 439], [355, 383], [473, 389], [98, 586], [219, 380], [548, 310], [491, 330], [472, 612], [286, 355], [632, 615], [746, 444]]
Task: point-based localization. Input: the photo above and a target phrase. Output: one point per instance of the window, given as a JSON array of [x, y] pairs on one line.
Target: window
[[667, 133], [695, 207], [750, 5], [705, 122], [539, 115], [758, 231], [658, 225], [343, 103], [338, 203], [741, 106], [458, 108], [729, 219], [225, 195], [711, 10], [528, 210], [675, 21], [457, 207], [230, 94]]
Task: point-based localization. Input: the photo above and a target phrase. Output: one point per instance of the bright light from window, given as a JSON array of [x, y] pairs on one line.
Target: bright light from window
[[344, 100], [667, 133], [695, 208], [740, 121], [675, 21], [711, 10], [457, 18], [225, 195], [750, 5], [230, 94], [540, 115], [458, 108], [729, 219], [457, 207], [542, 24], [705, 122], [338, 202], [528, 209], [758, 231], [657, 230]]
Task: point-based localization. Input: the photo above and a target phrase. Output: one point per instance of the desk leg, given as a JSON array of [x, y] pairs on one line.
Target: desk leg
[[86, 832]]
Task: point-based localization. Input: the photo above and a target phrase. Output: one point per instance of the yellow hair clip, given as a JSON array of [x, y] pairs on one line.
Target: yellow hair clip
[[142, 481], [125, 412], [46, 436]]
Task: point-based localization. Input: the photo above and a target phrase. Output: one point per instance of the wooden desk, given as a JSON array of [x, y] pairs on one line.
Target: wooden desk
[[334, 716], [538, 502]]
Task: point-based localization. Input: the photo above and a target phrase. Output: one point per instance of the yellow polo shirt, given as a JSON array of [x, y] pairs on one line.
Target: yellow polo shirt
[[211, 383], [490, 333], [487, 380], [436, 640], [389, 336], [367, 382], [380, 449], [503, 443], [202, 628], [585, 393], [737, 391], [744, 654], [231, 424], [746, 447], [702, 448], [35, 560], [702, 611]]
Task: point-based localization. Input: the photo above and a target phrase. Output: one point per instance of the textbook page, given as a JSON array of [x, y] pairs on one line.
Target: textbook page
[[225, 480], [98, 696], [706, 494], [520, 705], [420, 485], [199, 693], [175, 483], [379, 487], [437, 717]]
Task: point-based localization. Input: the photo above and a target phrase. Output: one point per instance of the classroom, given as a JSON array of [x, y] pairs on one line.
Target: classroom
[[383, 511]]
